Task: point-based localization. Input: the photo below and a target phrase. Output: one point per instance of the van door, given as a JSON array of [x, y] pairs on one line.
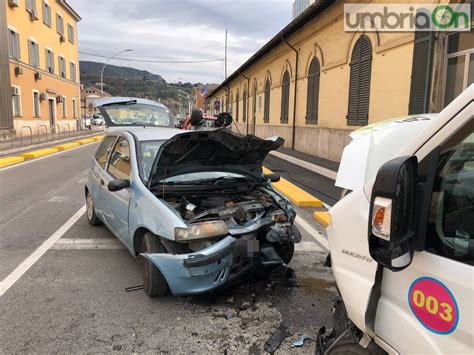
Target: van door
[[428, 307]]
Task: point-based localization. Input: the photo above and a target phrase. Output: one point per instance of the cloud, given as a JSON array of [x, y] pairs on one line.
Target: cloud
[[184, 29]]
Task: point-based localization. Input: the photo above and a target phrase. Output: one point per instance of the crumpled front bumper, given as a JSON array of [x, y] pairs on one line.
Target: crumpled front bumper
[[207, 269]]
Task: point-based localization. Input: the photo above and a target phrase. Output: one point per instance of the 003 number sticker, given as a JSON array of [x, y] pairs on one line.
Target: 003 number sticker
[[433, 305]]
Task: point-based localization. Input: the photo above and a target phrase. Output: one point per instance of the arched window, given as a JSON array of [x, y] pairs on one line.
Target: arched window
[[237, 107], [244, 104], [359, 82], [231, 102], [312, 98], [285, 97], [266, 103]]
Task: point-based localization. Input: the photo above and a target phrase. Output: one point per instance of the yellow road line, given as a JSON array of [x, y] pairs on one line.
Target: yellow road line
[[86, 141], [39, 153], [10, 161], [98, 138], [67, 146], [295, 194], [324, 218]]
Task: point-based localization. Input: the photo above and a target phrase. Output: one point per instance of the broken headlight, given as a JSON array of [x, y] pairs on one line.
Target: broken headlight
[[204, 230]]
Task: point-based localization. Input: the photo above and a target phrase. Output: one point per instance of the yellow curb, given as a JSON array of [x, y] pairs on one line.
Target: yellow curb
[[324, 218], [97, 138], [67, 146], [10, 161], [39, 153], [85, 141], [296, 195]]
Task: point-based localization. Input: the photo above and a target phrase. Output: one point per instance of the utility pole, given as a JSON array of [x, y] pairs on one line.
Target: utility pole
[[225, 56]]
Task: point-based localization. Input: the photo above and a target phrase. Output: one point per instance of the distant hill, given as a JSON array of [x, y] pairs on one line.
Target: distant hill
[[94, 68], [124, 81]]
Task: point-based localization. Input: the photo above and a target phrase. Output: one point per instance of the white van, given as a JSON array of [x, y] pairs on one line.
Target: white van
[[402, 241]]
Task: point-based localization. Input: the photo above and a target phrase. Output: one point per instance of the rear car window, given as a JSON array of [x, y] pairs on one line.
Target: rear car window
[[103, 150]]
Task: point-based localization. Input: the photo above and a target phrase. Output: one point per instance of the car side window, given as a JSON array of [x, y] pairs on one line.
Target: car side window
[[451, 222], [120, 164], [103, 151]]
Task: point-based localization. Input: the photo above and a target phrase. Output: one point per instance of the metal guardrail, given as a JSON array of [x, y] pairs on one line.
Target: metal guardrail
[[45, 130], [69, 129], [21, 134]]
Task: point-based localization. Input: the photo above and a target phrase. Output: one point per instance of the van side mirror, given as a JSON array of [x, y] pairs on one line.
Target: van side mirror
[[272, 177], [392, 213], [117, 185]]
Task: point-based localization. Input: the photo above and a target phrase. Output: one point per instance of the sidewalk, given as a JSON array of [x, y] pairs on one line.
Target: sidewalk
[[9, 147], [313, 174]]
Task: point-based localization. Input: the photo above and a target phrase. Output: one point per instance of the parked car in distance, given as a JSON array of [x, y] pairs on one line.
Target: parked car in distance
[[194, 205], [97, 119]]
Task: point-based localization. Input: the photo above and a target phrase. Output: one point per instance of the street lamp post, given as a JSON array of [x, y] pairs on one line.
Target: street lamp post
[[103, 68]]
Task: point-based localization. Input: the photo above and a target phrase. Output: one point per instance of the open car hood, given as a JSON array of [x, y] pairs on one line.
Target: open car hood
[[219, 150]]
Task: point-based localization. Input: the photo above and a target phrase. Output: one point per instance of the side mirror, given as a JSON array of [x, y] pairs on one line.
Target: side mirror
[[272, 177], [392, 213], [117, 185]]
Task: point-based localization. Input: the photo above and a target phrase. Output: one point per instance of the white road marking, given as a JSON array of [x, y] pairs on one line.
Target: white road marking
[[318, 237], [309, 166], [21, 269], [81, 244], [46, 156]]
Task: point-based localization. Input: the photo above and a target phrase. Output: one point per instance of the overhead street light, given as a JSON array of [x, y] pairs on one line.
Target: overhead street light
[[103, 68]]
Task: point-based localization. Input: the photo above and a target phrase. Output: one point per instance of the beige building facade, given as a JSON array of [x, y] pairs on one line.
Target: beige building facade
[[314, 83]]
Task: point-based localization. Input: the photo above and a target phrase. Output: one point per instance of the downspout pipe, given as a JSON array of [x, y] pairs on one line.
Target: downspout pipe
[[247, 102], [296, 90]]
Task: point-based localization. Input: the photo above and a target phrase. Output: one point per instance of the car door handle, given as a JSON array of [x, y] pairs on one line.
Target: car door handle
[[102, 182]]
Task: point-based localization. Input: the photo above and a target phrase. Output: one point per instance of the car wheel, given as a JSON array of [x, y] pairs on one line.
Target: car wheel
[[154, 282], [285, 251], [90, 211]]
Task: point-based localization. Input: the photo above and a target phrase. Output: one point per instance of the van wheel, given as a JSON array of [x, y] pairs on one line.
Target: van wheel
[[285, 251], [356, 349], [90, 211], [154, 282]]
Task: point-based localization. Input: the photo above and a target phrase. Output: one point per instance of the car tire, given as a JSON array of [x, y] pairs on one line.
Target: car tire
[[285, 251], [92, 217], [154, 283]]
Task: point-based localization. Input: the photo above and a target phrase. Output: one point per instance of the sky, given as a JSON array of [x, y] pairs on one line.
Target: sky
[[178, 30]]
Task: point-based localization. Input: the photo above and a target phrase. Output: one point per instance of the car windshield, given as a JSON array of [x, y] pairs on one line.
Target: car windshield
[[132, 113]]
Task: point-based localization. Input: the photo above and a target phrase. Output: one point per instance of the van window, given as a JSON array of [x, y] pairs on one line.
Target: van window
[[103, 150], [451, 223]]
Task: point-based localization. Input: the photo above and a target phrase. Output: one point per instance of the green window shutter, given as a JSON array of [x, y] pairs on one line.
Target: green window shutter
[[237, 108], [359, 82], [312, 99], [285, 97], [421, 72], [244, 106], [266, 104]]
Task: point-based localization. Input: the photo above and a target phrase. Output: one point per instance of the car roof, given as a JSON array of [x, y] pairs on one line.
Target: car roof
[[112, 100], [147, 133]]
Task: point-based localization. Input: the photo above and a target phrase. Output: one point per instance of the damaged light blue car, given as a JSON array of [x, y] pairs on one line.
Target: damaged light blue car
[[194, 205]]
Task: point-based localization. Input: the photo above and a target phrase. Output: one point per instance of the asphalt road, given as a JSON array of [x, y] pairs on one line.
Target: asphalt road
[[73, 298]]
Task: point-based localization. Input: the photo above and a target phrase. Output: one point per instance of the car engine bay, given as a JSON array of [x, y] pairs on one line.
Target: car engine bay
[[257, 214]]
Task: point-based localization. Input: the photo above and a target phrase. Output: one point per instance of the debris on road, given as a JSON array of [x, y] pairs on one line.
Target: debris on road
[[275, 340], [300, 341]]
